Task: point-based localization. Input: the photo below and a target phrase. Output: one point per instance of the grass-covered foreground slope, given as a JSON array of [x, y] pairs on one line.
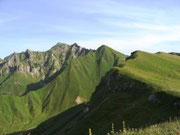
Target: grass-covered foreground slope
[[142, 92], [72, 85], [166, 128]]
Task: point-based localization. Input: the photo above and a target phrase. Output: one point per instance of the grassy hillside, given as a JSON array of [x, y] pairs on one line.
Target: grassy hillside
[[166, 128], [160, 70], [144, 91], [73, 85]]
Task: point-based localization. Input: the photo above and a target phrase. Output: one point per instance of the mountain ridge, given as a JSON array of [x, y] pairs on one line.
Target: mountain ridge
[[124, 95], [94, 89], [42, 65], [73, 50]]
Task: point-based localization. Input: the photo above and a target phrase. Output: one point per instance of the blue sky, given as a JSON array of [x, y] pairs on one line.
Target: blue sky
[[125, 25]]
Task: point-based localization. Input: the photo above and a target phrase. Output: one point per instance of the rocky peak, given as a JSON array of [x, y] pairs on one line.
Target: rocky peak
[[46, 63], [28, 50], [60, 48], [75, 45], [12, 60], [9, 57], [28, 53], [77, 50], [74, 48]]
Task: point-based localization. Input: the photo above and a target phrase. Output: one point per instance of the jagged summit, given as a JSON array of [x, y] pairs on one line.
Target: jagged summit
[[46, 63], [59, 45], [42, 65], [29, 51], [75, 44], [74, 49]]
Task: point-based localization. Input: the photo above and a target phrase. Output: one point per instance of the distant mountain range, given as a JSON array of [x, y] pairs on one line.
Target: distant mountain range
[[69, 89]]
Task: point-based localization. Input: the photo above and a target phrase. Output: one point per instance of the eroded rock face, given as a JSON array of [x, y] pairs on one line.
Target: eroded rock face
[[46, 63]]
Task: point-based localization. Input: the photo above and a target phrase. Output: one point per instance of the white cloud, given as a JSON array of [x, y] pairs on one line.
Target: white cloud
[[146, 42], [144, 29], [142, 26]]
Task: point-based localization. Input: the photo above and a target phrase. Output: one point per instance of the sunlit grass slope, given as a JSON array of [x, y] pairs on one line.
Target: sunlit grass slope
[[161, 70]]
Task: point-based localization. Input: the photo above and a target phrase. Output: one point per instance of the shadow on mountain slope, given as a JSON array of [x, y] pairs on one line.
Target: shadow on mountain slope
[[42, 83]]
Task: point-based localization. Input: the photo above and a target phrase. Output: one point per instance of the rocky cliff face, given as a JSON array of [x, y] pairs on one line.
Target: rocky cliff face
[[41, 63]]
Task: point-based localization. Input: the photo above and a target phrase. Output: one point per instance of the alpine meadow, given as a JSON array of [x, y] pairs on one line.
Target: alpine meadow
[[106, 67]]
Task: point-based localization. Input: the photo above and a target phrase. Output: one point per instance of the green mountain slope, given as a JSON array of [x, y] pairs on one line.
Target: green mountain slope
[[70, 78], [143, 91]]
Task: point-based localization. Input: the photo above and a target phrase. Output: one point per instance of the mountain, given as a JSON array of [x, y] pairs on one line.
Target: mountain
[[35, 86], [38, 66], [143, 91]]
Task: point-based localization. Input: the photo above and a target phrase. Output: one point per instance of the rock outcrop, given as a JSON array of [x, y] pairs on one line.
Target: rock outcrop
[[38, 63]]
